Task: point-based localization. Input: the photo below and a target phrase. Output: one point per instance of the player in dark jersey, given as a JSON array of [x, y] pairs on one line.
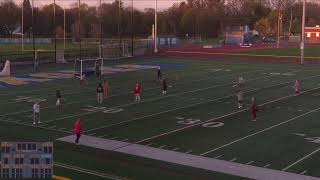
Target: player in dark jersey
[[159, 75], [58, 96], [164, 87], [99, 93]]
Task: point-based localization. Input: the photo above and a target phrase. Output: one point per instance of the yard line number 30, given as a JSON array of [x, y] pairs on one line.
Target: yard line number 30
[[191, 121]]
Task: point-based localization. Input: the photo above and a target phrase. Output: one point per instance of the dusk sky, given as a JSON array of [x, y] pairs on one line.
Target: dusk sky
[[140, 4]]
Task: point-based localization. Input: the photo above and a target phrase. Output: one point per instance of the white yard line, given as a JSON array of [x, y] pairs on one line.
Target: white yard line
[[303, 172], [103, 136], [302, 159], [119, 94], [87, 171], [33, 126], [183, 107], [234, 159], [259, 132], [250, 162], [151, 100], [267, 165], [162, 146], [214, 119]]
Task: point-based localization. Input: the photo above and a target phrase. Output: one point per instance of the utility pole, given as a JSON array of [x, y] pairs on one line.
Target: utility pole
[[119, 25], [290, 26], [132, 29], [33, 40], [55, 32], [64, 27], [100, 21], [279, 28], [79, 31], [155, 27], [302, 31]]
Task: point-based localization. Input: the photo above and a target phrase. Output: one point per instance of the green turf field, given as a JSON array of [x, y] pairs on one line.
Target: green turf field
[[198, 116]]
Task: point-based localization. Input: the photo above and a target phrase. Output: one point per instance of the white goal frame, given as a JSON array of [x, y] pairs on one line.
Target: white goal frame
[[114, 51]]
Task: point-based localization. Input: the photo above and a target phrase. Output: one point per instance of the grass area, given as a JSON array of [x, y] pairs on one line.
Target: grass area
[[201, 96]]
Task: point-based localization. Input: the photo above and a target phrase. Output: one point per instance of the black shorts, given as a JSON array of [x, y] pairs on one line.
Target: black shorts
[[240, 101]]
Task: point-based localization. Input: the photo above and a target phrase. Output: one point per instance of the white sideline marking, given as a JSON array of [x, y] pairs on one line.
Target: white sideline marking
[[106, 135], [250, 162], [175, 149], [300, 160], [234, 159], [214, 119], [267, 165], [114, 138], [297, 134], [261, 131], [91, 134], [217, 157], [206, 163], [189, 151], [52, 127], [303, 172], [87, 171], [162, 146]]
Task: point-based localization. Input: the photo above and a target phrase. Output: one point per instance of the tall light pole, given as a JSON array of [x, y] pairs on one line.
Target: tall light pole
[[279, 28], [302, 31], [64, 27], [33, 40], [22, 26], [79, 31], [55, 32], [132, 29], [155, 27]]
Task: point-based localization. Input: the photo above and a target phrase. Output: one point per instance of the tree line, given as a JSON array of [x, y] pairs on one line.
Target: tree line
[[205, 18]]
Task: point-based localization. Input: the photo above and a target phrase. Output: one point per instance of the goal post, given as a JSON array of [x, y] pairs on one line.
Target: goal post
[[114, 51], [49, 54], [87, 67]]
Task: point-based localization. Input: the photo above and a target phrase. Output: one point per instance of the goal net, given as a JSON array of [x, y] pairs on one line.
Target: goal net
[[60, 57], [50, 55], [88, 67], [114, 51]]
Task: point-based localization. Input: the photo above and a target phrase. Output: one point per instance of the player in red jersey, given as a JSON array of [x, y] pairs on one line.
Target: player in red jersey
[[253, 109], [296, 87], [137, 92]]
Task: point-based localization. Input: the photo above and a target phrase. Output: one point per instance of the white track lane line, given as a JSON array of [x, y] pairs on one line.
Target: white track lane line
[[300, 160]]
